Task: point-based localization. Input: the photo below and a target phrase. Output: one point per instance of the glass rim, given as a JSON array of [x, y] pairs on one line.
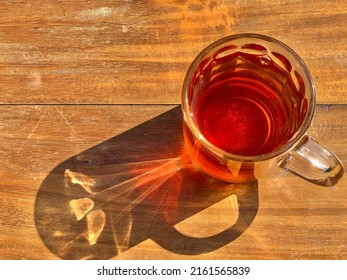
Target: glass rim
[[230, 156]]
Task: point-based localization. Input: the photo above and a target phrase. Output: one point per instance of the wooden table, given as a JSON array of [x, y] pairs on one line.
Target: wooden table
[[90, 94]]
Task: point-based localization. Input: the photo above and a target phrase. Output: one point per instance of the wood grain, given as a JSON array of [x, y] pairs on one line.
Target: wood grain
[[286, 217], [87, 84], [137, 52]]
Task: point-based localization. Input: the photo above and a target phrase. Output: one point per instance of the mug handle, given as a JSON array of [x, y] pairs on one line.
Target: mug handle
[[314, 163]]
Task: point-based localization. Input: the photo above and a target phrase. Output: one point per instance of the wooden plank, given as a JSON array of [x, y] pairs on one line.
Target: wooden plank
[[193, 217], [137, 52], [35, 139]]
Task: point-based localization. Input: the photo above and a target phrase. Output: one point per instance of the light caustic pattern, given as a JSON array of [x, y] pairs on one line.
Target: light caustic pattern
[[90, 206]]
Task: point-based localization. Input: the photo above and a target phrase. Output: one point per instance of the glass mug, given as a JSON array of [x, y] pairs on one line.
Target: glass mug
[[247, 103]]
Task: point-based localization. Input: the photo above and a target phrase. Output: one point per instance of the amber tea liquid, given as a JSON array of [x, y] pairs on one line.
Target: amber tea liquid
[[244, 103]]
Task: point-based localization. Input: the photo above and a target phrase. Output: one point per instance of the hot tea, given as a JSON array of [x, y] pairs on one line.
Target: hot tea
[[247, 102], [248, 105]]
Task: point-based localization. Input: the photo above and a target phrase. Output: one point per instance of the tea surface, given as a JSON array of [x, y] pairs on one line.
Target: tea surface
[[247, 107]]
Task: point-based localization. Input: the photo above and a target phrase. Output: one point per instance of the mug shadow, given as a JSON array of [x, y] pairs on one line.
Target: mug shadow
[[136, 186]]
